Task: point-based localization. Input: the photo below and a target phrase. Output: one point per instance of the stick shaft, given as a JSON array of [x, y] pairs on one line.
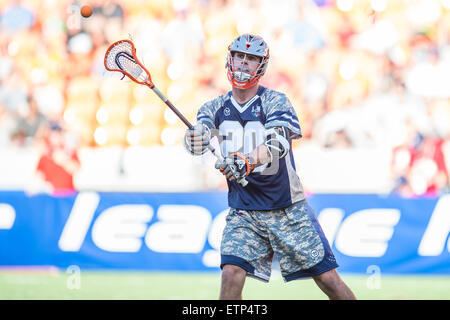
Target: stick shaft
[[172, 107]]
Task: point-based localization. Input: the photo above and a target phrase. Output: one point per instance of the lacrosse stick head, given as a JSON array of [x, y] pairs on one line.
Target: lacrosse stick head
[[121, 57]]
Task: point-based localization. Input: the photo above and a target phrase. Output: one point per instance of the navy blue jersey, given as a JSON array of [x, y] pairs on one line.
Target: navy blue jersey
[[241, 128]]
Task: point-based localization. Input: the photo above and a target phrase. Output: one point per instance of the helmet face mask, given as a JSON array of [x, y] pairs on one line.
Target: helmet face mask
[[238, 71]]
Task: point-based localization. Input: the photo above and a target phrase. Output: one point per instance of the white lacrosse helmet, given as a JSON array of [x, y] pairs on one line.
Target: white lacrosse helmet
[[252, 45]]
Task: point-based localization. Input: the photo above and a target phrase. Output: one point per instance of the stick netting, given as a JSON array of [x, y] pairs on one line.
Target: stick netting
[[120, 57]]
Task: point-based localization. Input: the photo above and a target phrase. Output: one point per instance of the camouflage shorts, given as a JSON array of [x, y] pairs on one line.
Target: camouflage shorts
[[251, 238]]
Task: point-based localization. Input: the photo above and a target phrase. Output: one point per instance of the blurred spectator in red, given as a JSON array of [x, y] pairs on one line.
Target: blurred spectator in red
[[428, 172], [402, 159], [58, 162], [420, 167]]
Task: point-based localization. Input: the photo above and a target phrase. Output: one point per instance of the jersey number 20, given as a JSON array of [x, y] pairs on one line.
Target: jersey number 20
[[236, 138]]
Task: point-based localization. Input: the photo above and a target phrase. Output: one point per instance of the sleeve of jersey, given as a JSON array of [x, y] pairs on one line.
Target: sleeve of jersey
[[206, 113], [281, 113]]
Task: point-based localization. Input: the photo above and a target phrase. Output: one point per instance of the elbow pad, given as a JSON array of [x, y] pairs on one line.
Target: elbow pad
[[277, 142]]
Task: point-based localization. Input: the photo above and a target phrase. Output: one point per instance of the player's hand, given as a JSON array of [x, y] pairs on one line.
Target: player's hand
[[196, 140], [235, 166]]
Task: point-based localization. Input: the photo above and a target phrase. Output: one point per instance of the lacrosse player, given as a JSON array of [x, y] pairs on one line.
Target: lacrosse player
[[255, 126]]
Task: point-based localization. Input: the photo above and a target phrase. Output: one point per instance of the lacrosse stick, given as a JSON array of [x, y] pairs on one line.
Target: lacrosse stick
[[121, 57]]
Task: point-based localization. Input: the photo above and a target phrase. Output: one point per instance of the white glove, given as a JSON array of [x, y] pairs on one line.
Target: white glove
[[235, 166], [196, 140]]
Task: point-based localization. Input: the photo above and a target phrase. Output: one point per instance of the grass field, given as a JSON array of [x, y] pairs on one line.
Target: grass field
[[203, 286]]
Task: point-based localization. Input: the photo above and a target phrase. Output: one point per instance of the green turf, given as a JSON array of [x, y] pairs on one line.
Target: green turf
[[199, 286]]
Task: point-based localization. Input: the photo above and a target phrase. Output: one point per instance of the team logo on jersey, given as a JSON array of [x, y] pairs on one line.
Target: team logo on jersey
[[314, 253], [256, 111], [226, 112]]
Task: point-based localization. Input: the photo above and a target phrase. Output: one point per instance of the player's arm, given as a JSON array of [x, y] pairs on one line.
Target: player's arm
[[275, 147]]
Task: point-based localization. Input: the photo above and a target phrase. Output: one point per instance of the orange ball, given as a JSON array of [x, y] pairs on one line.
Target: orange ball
[[86, 11]]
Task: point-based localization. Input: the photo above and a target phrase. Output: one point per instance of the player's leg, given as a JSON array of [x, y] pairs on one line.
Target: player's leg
[[245, 252], [304, 251], [233, 279], [332, 285]]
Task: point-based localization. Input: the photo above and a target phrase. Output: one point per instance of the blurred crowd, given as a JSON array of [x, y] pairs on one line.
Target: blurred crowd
[[360, 73]]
